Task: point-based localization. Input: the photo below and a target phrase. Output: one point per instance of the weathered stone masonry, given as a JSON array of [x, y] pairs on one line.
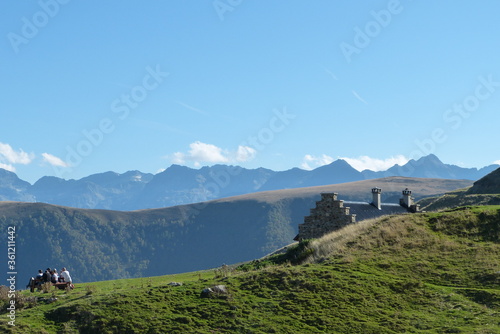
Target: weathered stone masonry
[[328, 215]]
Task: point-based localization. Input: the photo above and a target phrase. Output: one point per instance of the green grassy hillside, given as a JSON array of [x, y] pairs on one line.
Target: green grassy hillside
[[489, 184], [485, 191], [458, 198], [415, 273]]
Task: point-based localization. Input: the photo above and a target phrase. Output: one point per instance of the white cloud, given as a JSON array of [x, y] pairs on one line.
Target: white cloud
[[13, 157], [245, 153], [53, 160], [10, 168], [310, 162], [496, 162], [374, 164], [178, 158], [201, 152], [207, 153]]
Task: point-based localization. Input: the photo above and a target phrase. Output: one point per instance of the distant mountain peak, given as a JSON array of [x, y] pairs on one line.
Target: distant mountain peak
[[337, 164], [341, 162], [176, 167], [430, 159]]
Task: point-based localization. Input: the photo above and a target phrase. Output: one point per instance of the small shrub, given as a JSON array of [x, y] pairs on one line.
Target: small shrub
[[70, 327], [90, 289], [46, 287], [4, 293], [4, 298], [299, 253], [21, 300], [223, 271], [183, 319]]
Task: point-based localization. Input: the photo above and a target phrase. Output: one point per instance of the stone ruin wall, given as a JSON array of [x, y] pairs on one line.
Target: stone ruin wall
[[328, 215]]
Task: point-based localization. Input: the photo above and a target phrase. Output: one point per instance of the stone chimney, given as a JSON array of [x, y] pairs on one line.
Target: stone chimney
[[329, 196], [407, 199], [377, 202]]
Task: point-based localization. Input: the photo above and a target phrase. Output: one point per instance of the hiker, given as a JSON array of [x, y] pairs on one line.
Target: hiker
[[39, 277], [55, 276], [47, 276], [66, 276], [35, 281]]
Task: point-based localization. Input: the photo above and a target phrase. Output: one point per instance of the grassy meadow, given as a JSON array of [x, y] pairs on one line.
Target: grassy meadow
[[436, 272]]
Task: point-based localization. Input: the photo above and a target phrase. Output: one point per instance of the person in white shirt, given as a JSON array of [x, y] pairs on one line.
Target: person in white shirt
[[66, 276], [55, 276]]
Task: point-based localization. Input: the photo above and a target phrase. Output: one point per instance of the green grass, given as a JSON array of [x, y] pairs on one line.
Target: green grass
[[420, 273], [458, 198]]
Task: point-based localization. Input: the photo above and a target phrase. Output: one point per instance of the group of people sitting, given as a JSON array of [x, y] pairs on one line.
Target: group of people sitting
[[51, 276]]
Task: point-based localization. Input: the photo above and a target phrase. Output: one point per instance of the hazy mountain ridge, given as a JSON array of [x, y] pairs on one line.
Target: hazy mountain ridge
[[179, 185], [104, 190], [13, 188]]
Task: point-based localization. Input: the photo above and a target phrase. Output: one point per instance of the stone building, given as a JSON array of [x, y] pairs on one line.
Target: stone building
[[331, 214]]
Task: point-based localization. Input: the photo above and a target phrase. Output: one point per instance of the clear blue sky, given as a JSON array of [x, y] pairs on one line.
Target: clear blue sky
[[93, 86]]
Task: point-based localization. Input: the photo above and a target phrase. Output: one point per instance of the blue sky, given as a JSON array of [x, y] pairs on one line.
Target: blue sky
[[93, 86]]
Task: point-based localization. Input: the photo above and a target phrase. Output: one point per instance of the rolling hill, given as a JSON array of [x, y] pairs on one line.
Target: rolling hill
[[485, 191], [489, 184], [102, 244]]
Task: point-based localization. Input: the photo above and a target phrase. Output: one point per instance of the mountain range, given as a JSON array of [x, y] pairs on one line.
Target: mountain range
[[179, 185]]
